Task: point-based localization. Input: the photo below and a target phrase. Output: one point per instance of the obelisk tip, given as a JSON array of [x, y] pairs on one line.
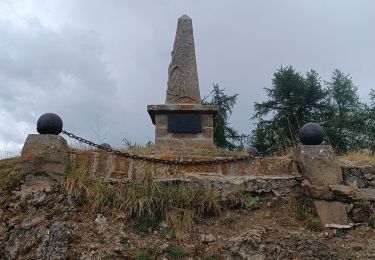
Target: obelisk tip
[[184, 17]]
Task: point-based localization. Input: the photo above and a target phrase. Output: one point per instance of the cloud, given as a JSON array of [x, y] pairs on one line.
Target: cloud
[[45, 70], [98, 64]]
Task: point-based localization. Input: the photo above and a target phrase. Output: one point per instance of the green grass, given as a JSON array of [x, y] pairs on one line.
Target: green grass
[[174, 251], [142, 254], [144, 225], [371, 222], [356, 248], [251, 202], [314, 224]]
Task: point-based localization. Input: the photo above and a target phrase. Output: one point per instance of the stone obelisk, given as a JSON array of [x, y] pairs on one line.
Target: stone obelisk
[[183, 86], [183, 126]]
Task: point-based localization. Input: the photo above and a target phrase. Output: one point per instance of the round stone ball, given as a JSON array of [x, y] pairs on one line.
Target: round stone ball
[[106, 146], [252, 150], [311, 134], [49, 123]]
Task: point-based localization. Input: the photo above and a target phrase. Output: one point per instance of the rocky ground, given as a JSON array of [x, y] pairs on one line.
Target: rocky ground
[[45, 223]]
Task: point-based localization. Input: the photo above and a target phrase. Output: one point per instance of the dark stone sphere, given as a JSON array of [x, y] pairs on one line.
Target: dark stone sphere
[[106, 146], [252, 150], [311, 134], [49, 123]]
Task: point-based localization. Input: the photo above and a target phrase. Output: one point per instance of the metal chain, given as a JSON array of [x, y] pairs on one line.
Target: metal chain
[[157, 160]]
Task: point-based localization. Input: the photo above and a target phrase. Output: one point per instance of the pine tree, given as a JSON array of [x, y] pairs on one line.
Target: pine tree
[[293, 100], [225, 136]]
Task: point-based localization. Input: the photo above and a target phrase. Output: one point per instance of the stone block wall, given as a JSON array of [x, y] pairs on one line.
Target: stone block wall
[[107, 165], [359, 176]]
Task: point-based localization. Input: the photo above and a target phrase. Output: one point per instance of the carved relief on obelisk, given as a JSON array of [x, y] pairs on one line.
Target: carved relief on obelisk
[[183, 86]]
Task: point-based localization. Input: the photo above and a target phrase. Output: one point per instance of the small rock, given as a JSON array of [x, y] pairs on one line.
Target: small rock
[[164, 246], [163, 224], [100, 219], [206, 239]]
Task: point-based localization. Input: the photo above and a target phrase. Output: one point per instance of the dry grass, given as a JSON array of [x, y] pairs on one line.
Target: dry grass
[[144, 198], [10, 174], [364, 156]]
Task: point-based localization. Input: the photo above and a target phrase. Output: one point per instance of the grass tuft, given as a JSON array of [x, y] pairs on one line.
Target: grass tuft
[[251, 202], [174, 251], [371, 222], [144, 199], [314, 224], [10, 174], [361, 156], [141, 254], [235, 199]]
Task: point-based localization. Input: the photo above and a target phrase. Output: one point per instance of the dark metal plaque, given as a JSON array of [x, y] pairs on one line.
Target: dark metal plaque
[[185, 123]]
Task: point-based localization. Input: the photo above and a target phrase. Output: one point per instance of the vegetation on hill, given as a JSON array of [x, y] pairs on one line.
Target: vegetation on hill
[[295, 99]]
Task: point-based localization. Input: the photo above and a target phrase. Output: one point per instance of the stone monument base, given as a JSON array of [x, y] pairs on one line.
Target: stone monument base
[[318, 164], [183, 128], [45, 155]]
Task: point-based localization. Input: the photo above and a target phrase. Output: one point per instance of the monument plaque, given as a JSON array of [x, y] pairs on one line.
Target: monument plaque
[[188, 123], [183, 125]]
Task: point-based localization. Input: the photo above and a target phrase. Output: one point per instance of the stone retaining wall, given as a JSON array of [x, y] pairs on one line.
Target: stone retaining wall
[[360, 176], [107, 165]]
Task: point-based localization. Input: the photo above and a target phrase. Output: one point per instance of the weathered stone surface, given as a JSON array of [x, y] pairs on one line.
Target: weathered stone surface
[[318, 164], [45, 154], [49, 123], [259, 243], [311, 134], [247, 245], [343, 192], [183, 86], [321, 192], [55, 242], [34, 184], [332, 214], [360, 212], [102, 164], [360, 176]]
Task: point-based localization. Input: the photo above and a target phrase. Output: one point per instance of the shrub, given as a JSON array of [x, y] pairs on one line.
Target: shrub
[[174, 251], [314, 224], [236, 199], [251, 202], [141, 254], [145, 225], [371, 222]]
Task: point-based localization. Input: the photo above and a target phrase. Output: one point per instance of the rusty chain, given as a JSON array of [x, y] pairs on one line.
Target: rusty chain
[[157, 160]]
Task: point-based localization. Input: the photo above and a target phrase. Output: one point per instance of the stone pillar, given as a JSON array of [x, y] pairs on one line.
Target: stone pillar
[[45, 154], [319, 167], [318, 164]]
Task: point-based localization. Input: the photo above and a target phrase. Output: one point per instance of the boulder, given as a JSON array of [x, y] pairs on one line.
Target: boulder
[[45, 155], [318, 164], [332, 214]]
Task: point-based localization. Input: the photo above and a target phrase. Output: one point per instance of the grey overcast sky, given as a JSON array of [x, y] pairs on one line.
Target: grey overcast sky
[[98, 64]]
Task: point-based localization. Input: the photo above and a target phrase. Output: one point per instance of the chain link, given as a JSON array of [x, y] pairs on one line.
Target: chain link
[[157, 160]]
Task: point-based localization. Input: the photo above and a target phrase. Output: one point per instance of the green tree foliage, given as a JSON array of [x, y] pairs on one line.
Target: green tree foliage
[[293, 99], [346, 116], [370, 122], [225, 136]]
